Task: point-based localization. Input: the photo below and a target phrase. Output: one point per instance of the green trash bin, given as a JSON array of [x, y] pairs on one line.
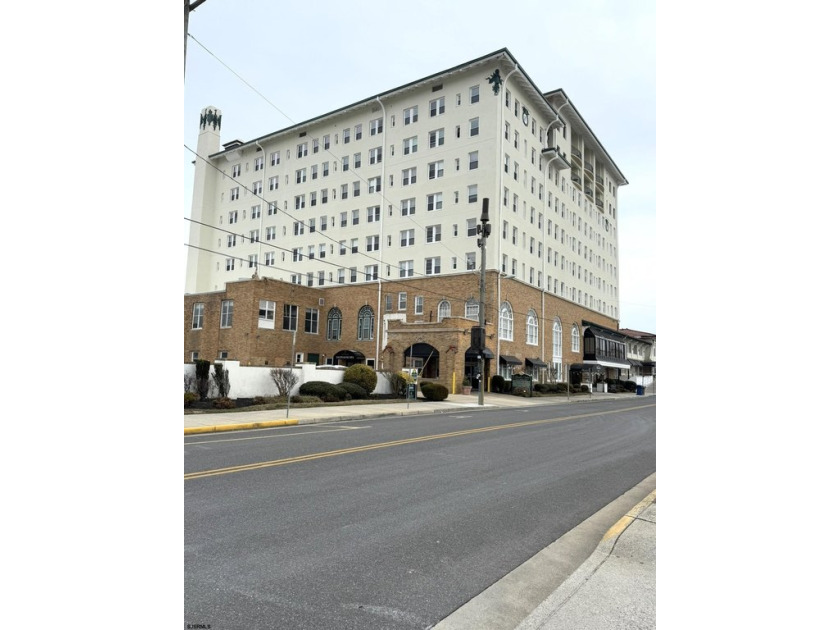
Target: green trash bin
[[412, 391]]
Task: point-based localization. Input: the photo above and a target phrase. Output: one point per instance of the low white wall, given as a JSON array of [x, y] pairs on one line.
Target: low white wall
[[248, 381]]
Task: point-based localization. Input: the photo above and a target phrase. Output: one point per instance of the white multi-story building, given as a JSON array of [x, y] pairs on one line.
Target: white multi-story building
[[391, 187]]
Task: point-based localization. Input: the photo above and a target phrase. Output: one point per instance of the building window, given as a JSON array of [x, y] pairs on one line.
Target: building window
[[402, 300], [410, 115], [410, 145], [198, 316], [365, 324], [374, 184], [408, 206], [233, 217], [269, 259], [334, 324], [231, 240], [471, 310], [575, 339], [472, 193], [229, 264], [473, 160], [372, 243], [406, 238], [474, 127], [375, 126], [436, 170], [433, 233], [474, 94], [303, 149], [406, 268], [255, 212], [346, 135], [409, 176], [373, 213], [358, 131], [436, 138], [434, 202], [418, 305], [506, 322], [290, 315], [254, 236], [444, 309], [252, 261], [531, 329], [433, 266], [470, 261], [557, 343], [437, 106], [266, 314], [310, 321], [234, 193], [236, 171], [375, 155]]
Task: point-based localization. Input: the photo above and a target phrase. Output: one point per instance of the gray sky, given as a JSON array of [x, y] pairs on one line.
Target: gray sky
[[301, 62]]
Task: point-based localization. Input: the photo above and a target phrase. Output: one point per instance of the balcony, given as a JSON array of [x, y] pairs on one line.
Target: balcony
[[599, 202], [588, 166], [599, 180], [576, 152], [588, 191], [576, 178]]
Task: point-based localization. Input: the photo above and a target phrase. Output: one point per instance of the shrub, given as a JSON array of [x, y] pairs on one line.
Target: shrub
[[398, 381], [224, 403], [202, 378], [361, 375], [284, 380], [433, 391], [305, 399], [497, 383], [189, 399], [356, 392], [259, 400], [323, 390], [222, 379]]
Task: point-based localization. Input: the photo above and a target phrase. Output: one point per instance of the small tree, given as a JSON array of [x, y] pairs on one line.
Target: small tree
[[221, 379], [362, 375], [398, 381], [202, 378], [189, 383], [284, 380]]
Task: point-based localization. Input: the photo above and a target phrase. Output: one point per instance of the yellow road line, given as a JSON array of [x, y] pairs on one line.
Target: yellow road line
[[237, 427], [380, 445]]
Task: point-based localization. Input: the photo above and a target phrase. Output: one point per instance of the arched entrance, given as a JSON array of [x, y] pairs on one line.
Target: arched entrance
[[424, 358]]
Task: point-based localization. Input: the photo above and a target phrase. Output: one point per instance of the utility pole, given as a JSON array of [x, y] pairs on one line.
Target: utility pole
[[483, 231], [188, 6]]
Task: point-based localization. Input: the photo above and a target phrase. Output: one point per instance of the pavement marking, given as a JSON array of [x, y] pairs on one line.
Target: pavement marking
[[624, 522], [279, 435], [238, 427], [381, 445]]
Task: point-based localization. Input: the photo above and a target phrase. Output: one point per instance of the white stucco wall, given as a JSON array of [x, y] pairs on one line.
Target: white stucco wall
[[249, 381]]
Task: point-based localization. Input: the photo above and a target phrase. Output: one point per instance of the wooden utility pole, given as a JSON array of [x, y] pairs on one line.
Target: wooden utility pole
[[189, 6]]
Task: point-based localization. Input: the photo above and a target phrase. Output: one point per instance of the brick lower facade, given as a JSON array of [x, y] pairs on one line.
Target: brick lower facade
[[246, 341]]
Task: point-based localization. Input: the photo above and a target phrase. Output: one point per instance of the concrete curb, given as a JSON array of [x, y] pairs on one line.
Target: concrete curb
[[241, 426], [540, 616]]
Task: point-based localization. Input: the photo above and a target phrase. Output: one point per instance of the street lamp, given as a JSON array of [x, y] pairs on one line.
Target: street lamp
[[483, 231]]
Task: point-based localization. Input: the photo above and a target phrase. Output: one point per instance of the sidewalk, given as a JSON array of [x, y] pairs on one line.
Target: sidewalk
[[237, 420], [614, 589]]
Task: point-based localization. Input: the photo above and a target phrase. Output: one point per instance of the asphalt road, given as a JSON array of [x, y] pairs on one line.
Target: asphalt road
[[393, 522]]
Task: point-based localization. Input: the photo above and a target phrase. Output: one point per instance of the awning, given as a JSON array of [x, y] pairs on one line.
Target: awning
[[610, 364], [509, 360], [634, 362], [472, 353], [348, 355], [536, 363]]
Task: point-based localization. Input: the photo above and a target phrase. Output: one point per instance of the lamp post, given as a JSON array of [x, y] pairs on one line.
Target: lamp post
[[483, 232]]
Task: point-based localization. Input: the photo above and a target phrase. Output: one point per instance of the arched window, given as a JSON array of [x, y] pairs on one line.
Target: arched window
[[334, 324], [471, 310], [532, 331], [575, 339], [365, 323], [557, 350], [444, 309], [506, 322]]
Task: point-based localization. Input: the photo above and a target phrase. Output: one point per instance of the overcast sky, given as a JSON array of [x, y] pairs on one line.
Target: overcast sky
[[295, 62]]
